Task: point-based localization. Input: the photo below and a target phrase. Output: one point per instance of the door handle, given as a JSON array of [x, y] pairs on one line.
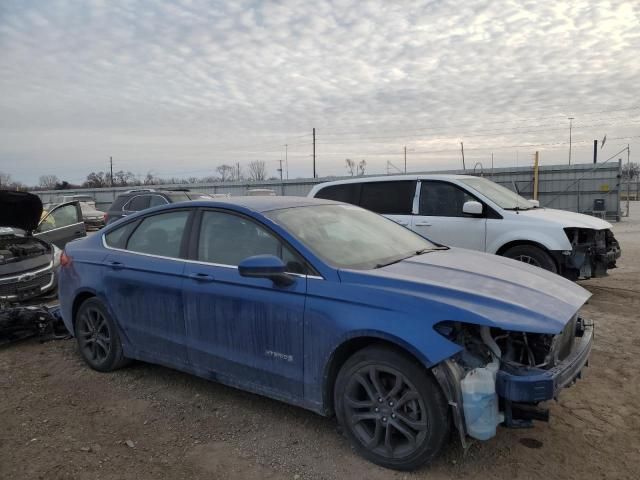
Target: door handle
[[404, 224], [201, 277], [116, 265], [422, 224]]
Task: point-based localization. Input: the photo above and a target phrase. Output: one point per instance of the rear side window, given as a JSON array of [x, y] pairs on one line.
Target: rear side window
[[159, 234], [441, 199], [157, 200], [138, 203], [394, 197], [118, 238], [348, 193], [119, 202]]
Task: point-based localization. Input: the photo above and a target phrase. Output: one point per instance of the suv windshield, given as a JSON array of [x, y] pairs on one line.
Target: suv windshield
[[346, 236], [501, 196]]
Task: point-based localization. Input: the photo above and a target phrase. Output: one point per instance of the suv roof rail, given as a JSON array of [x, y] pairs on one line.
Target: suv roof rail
[[136, 190], [175, 189]]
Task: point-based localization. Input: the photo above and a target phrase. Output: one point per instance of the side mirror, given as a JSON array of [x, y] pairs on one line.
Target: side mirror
[[265, 266], [535, 203], [472, 208]]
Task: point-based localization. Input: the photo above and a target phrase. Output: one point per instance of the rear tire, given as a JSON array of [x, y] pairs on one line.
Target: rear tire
[[97, 337], [533, 256], [391, 409]]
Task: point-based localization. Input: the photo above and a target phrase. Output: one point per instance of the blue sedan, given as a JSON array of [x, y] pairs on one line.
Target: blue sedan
[[335, 309]]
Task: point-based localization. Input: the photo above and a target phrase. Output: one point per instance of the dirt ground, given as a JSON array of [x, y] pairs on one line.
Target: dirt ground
[[61, 420]]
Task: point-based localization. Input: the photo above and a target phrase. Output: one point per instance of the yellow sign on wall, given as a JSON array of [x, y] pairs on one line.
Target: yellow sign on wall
[[604, 187]]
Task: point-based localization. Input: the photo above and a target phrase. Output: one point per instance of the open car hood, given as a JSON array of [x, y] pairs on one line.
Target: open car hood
[[20, 210]]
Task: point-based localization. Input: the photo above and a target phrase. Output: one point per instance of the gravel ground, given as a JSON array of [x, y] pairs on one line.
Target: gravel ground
[[61, 420]]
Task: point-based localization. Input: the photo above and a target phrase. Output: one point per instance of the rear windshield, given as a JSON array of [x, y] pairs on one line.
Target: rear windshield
[[178, 197]]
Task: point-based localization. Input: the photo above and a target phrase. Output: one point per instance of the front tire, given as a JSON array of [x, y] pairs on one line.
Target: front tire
[[97, 337], [533, 256], [391, 409]]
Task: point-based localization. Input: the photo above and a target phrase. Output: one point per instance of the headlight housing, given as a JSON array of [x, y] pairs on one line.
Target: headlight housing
[[57, 253]]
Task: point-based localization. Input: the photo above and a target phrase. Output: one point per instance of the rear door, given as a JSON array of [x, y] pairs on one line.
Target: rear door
[[248, 330], [440, 217], [393, 199], [143, 285], [136, 204], [62, 224]]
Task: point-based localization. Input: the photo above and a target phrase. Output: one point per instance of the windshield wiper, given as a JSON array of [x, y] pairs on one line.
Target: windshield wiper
[[519, 209], [396, 260]]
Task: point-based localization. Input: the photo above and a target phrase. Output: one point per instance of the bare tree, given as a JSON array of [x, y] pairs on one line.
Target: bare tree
[[123, 178], [257, 170], [227, 172], [361, 166], [5, 180], [97, 180], [630, 171], [151, 179], [48, 181], [351, 166]]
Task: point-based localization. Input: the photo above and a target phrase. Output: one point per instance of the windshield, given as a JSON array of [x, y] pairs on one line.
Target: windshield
[[501, 196], [346, 236]]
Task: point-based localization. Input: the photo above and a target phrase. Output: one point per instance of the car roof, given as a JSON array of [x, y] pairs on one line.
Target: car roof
[[264, 204], [394, 178]]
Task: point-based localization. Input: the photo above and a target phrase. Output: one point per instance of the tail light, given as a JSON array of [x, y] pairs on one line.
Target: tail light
[[105, 217], [65, 260]]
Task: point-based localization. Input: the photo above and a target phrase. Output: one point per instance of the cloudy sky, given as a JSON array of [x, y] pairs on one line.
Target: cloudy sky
[[180, 87]]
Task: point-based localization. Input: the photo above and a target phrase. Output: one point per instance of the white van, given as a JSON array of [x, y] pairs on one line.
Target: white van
[[472, 212]]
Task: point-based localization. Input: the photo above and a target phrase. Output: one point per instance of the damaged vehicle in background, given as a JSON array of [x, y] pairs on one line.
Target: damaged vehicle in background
[[473, 212], [333, 308], [30, 251]]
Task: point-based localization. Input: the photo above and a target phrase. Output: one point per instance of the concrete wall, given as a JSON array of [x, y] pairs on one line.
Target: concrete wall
[[573, 188]]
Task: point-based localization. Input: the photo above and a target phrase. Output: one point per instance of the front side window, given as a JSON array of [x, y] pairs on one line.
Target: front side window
[[346, 236], [159, 234], [393, 197], [441, 199], [227, 239], [138, 203], [60, 217]]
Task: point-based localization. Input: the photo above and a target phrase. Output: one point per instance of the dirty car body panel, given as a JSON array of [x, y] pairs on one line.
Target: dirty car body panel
[[282, 337]]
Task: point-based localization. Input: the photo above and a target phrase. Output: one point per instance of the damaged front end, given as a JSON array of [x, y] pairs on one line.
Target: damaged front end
[[592, 253], [503, 377]]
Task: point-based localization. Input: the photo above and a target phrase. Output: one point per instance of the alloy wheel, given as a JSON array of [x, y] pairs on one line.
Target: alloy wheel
[[94, 337], [385, 412]]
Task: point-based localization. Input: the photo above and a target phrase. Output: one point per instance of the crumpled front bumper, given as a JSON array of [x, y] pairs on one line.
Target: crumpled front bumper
[[532, 385]]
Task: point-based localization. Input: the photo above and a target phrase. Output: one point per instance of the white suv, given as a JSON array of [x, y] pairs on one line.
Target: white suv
[[475, 213]]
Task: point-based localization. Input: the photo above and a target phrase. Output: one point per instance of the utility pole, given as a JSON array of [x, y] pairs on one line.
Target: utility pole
[[238, 171], [492, 165], [111, 169], [535, 176], [462, 150], [314, 152], [629, 181], [286, 159], [280, 169], [405, 159], [570, 125], [595, 151]]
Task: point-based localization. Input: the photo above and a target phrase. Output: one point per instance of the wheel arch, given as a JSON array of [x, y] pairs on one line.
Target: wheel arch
[[354, 344], [79, 299]]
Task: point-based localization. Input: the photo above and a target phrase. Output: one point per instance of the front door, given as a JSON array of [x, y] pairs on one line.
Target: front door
[[61, 224], [142, 278], [440, 217], [247, 331]]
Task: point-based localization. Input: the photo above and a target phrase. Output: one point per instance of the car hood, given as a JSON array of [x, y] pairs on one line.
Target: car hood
[[479, 288], [20, 210], [566, 219]]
